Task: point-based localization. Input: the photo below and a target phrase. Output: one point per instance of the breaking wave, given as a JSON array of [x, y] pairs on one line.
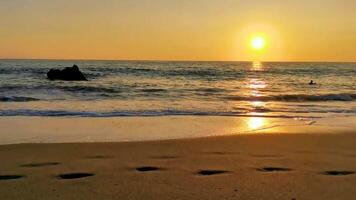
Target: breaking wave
[[296, 97]]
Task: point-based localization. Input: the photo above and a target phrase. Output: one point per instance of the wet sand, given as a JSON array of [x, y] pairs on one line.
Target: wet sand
[[14, 130], [266, 166]]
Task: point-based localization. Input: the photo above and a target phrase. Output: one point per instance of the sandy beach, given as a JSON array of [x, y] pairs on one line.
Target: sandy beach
[[266, 166]]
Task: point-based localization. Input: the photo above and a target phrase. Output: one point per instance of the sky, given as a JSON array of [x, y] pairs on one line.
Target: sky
[[219, 30]]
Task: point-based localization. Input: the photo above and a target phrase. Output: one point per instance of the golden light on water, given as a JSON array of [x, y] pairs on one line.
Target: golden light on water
[[256, 65], [256, 87], [256, 84], [256, 122], [257, 103]]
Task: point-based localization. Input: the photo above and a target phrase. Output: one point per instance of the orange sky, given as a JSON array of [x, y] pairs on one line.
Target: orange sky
[[303, 30]]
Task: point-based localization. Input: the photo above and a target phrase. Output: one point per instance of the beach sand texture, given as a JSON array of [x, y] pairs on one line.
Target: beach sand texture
[[276, 166]]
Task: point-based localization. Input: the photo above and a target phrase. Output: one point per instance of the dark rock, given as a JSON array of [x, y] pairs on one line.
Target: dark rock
[[67, 74]]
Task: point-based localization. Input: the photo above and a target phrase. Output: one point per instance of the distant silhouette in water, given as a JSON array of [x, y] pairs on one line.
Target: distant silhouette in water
[[67, 74], [312, 82]]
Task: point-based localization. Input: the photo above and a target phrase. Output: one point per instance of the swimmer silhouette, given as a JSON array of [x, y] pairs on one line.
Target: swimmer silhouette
[[312, 83]]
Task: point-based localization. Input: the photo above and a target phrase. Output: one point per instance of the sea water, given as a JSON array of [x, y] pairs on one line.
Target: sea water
[[161, 88]]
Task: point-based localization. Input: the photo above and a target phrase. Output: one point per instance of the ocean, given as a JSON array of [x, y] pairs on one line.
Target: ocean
[[163, 88]]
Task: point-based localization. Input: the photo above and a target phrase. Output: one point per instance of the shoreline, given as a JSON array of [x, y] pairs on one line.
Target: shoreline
[[217, 137], [17, 130], [187, 140]]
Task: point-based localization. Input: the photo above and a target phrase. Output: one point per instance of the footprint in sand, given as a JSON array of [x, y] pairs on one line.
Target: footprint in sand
[[211, 172], [10, 177], [148, 169], [273, 169], [98, 157], [338, 173], [74, 175], [41, 164], [219, 153]]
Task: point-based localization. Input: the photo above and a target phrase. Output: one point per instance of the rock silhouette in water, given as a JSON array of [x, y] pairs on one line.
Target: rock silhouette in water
[[67, 74]]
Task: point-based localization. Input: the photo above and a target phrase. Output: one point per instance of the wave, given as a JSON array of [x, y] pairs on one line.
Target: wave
[[153, 90], [296, 97], [145, 113], [73, 88], [89, 89], [209, 90], [17, 99]]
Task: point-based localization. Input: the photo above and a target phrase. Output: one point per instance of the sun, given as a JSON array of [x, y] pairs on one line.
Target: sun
[[258, 43]]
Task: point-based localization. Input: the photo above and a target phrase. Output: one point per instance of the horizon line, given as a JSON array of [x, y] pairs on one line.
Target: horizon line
[[172, 60]]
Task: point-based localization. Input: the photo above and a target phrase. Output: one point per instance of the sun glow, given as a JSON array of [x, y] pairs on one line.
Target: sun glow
[[258, 43], [256, 123]]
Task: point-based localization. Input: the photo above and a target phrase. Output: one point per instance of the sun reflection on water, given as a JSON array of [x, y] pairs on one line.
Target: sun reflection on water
[[256, 122], [257, 103], [256, 85], [257, 66]]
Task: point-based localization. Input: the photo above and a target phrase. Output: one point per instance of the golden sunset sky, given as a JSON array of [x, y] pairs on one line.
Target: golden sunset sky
[[295, 30]]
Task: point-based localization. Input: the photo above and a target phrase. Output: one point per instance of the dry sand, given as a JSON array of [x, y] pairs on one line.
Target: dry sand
[[276, 166]]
